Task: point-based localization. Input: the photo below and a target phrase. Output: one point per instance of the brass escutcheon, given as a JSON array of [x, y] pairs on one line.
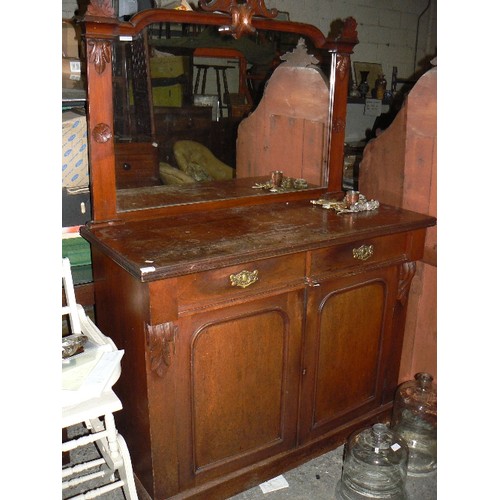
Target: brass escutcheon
[[364, 252], [244, 278]]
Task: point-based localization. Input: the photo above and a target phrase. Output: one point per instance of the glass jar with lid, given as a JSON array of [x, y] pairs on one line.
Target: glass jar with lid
[[375, 466], [414, 418]]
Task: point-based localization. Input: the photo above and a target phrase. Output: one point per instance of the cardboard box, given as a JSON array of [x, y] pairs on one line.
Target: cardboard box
[[168, 66], [75, 165], [168, 96], [71, 69], [71, 37], [170, 79]]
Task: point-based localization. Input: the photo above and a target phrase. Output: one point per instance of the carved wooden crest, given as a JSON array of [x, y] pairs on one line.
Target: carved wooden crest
[[101, 8], [299, 57], [241, 12]]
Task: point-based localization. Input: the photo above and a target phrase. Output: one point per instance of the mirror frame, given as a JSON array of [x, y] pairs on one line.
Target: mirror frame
[[100, 27]]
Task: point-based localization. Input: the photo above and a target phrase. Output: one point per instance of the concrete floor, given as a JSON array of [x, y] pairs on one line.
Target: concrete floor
[[314, 480]]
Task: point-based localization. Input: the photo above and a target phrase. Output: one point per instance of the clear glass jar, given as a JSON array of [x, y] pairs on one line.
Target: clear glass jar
[[414, 418], [375, 466]]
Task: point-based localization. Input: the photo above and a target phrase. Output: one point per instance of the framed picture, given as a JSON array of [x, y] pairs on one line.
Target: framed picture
[[374, 70]]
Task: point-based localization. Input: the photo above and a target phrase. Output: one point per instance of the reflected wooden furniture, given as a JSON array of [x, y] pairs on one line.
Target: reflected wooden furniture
[[260, 330], [137, 164], [400, 167], [227, 53], [295, 105]]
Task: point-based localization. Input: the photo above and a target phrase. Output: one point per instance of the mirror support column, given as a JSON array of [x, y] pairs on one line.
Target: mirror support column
[[98, 42], [343, 45]]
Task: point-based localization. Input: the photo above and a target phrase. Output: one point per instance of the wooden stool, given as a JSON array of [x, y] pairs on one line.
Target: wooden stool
[[224, 101]]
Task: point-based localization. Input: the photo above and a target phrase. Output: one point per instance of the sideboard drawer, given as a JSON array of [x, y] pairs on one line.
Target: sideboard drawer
[[369, 251], [230, 283], [136, 165]]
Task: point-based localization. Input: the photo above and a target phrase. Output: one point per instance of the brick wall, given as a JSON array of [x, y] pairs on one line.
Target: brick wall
[[68, 8], [387, 29]]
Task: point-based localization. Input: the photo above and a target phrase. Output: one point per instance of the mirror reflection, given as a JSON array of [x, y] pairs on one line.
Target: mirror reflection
[[192, 123]]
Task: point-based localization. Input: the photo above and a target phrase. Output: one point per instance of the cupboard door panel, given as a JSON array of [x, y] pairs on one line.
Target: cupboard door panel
[[343, 352], [348, 348], [242, 384]]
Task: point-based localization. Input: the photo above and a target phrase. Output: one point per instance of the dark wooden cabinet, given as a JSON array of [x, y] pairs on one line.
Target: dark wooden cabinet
[[259, 329], [223, 383]]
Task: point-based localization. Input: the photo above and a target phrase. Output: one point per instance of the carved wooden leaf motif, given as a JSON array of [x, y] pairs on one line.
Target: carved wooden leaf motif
[[101, 8], [161, 343], [99, 53], [406, 273], [342, 65]]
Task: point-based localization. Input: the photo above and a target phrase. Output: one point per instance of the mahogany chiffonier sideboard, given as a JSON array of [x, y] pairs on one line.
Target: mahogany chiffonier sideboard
[[259, 329]]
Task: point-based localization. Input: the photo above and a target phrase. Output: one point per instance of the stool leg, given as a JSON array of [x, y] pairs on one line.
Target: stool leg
[[204, 81], [219, 93], [226, 92], [197, 82]]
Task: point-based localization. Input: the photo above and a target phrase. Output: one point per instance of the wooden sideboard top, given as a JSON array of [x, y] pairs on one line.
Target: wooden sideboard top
[[171, 246]]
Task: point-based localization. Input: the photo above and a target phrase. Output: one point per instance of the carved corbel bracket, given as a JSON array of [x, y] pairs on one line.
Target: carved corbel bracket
[[406, 273], [342, 65], [161, 346], [99, 54]]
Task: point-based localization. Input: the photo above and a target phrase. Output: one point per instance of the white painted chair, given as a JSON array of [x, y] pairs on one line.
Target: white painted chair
[[87, 397]]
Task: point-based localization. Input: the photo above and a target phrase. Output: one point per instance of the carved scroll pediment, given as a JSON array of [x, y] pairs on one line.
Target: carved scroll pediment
[[241, 13]]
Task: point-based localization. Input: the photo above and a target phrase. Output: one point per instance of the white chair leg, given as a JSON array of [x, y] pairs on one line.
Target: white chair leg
[[125, 470], [96, 413]]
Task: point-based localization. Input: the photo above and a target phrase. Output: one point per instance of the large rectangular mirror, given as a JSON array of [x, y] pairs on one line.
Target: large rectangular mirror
[[199, 116]]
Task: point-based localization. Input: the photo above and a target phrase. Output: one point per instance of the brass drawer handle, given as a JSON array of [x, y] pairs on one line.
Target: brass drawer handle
[[364, 252], [244, 278]]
